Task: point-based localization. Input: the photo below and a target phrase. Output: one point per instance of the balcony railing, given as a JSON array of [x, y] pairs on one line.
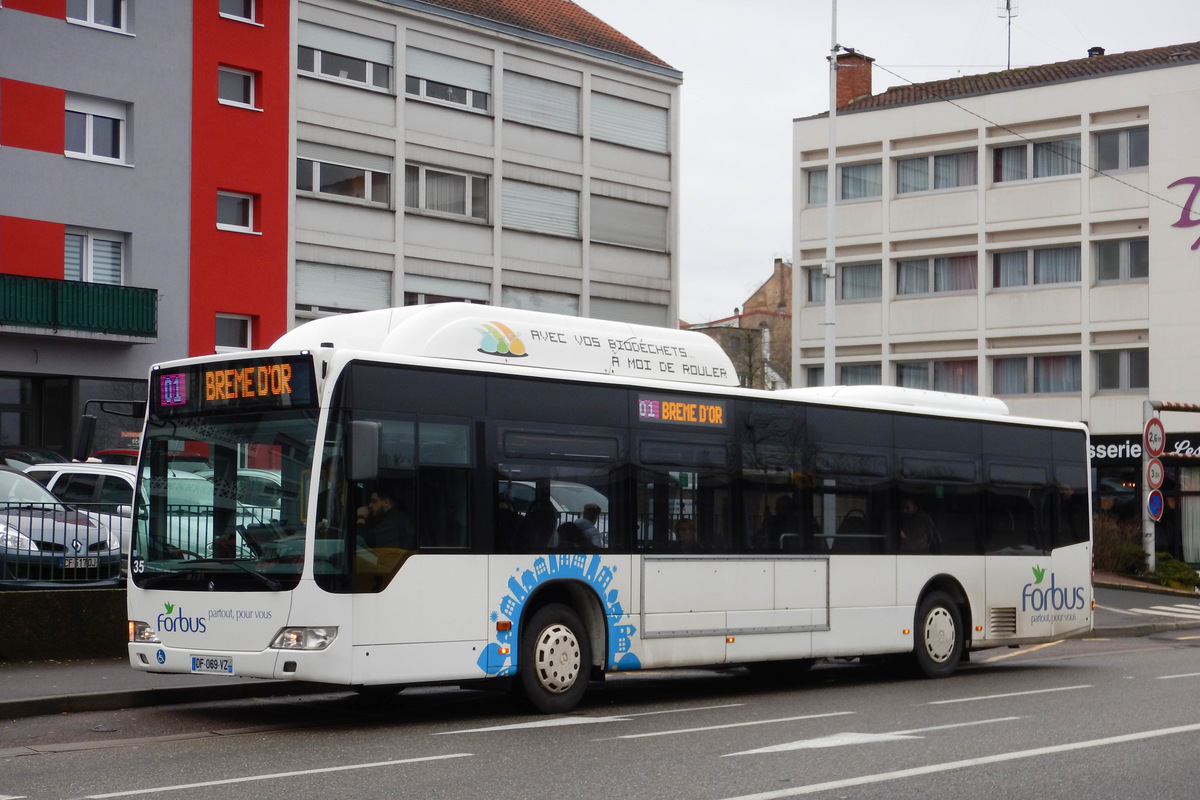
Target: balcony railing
[[78, 306]]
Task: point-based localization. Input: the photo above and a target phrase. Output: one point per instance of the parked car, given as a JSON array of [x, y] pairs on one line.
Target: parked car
[[184, 462], [22, 457], [45, 543], [261, 488], [106, 492]]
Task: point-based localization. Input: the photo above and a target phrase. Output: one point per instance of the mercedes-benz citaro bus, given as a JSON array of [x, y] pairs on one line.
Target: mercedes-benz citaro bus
[[767, 529]]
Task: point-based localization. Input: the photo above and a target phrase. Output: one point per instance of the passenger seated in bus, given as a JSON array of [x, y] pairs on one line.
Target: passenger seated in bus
[[917, 531], [537, 527], [381, 523], [572, 539], [587, 524], [685, 536]]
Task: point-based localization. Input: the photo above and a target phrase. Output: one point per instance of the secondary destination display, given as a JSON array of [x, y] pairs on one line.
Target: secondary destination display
[[689, 411], [275, 382]]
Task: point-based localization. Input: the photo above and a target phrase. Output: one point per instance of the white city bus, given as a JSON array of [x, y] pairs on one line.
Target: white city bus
[[735, 526]]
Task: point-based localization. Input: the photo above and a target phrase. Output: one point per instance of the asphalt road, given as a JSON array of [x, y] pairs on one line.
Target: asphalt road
[[1100, 718]]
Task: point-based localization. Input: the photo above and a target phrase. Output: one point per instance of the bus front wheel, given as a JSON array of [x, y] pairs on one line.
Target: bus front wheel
[[939, 635], [556, 660]]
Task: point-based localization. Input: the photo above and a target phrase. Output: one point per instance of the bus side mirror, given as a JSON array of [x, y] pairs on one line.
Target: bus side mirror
[[365, 436], [83, 442]]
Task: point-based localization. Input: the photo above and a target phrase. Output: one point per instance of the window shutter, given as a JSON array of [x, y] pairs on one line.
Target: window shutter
[[539, 102], [329, 154], [347, 288], [449, 70], [543, 209], [634, 224], [345, 43], [621, 121]]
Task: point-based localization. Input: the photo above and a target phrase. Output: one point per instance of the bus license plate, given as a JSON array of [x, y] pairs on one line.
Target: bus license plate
[[218, 665], [81, 563]]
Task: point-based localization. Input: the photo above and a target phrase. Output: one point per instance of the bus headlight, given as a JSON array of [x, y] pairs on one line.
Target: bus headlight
[[304, 638], [142, 632]]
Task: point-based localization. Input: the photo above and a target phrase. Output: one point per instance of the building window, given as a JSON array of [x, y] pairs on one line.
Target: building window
[[629, 123], [860, 282], [338, 55], [946, 274], [236, 87], [336, 172], [855, 282], [457, 193], [959, 375], [541, 209], [814, 377], [1036, 160], [1120, 150], [1049, 265], [855, 182], [233, 333], [1123, 370], [539, 102], [94, 256], [859, 374], [947, 171], [629, 224], [1122, 260], [235, 212], [95, 129], [238, 9], [101, 13], [1036, 374], [434, 76]]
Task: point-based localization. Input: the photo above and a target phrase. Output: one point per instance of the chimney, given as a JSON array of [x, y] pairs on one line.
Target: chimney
[[1095, 51], [853, 77]]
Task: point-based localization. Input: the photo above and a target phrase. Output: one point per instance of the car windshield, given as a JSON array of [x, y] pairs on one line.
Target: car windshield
[[18, 489], [197, 529]]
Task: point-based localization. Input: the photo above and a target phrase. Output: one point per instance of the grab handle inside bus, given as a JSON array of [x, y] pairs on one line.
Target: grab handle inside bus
[[365, 436]]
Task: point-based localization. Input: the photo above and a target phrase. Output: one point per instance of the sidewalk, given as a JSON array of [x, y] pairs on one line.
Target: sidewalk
[[57, 687]]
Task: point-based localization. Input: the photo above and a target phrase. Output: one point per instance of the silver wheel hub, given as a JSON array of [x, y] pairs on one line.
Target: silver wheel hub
[[556, 658], [939, 635]]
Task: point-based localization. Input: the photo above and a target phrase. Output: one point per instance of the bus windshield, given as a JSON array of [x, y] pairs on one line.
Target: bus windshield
[[237, 525]]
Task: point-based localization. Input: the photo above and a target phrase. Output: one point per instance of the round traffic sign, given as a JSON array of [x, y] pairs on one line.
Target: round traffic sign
[[1155, 437], [1154, 473], [1154, 505]]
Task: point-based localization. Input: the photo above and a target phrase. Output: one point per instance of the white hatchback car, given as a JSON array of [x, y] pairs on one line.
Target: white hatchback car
[[106, 491]]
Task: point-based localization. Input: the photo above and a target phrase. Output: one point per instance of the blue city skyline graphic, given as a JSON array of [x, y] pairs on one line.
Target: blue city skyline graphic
[[573, 566]]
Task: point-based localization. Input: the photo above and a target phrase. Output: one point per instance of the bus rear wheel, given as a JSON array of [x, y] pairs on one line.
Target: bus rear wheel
[[556, 660], [939, 635]]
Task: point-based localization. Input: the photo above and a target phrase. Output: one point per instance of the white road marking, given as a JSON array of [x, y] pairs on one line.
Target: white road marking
[[560, 722], [851, 737], [1184, 675], [276, 775], [1021, 651], [1008, 694], [949, 766], [729, 725], [1166, 611]]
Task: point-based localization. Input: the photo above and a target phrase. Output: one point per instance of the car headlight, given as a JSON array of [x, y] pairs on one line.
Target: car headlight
[[142, 632], [13, 539]]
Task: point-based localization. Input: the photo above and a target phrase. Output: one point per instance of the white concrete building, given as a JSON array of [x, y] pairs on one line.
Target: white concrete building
[[539, 153], [1027, 234]]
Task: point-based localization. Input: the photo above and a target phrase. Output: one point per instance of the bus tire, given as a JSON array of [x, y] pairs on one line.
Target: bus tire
[[556, 660], [938, 645]]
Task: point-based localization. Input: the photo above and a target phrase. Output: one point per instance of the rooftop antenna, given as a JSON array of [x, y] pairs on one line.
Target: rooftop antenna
[[1008, 8]]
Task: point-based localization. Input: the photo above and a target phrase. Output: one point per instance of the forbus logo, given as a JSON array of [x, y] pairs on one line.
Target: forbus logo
[[174, 621], [1035, 597]]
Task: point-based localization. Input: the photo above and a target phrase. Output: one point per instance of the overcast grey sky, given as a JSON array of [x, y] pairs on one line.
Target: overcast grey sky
[[750, 67]]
